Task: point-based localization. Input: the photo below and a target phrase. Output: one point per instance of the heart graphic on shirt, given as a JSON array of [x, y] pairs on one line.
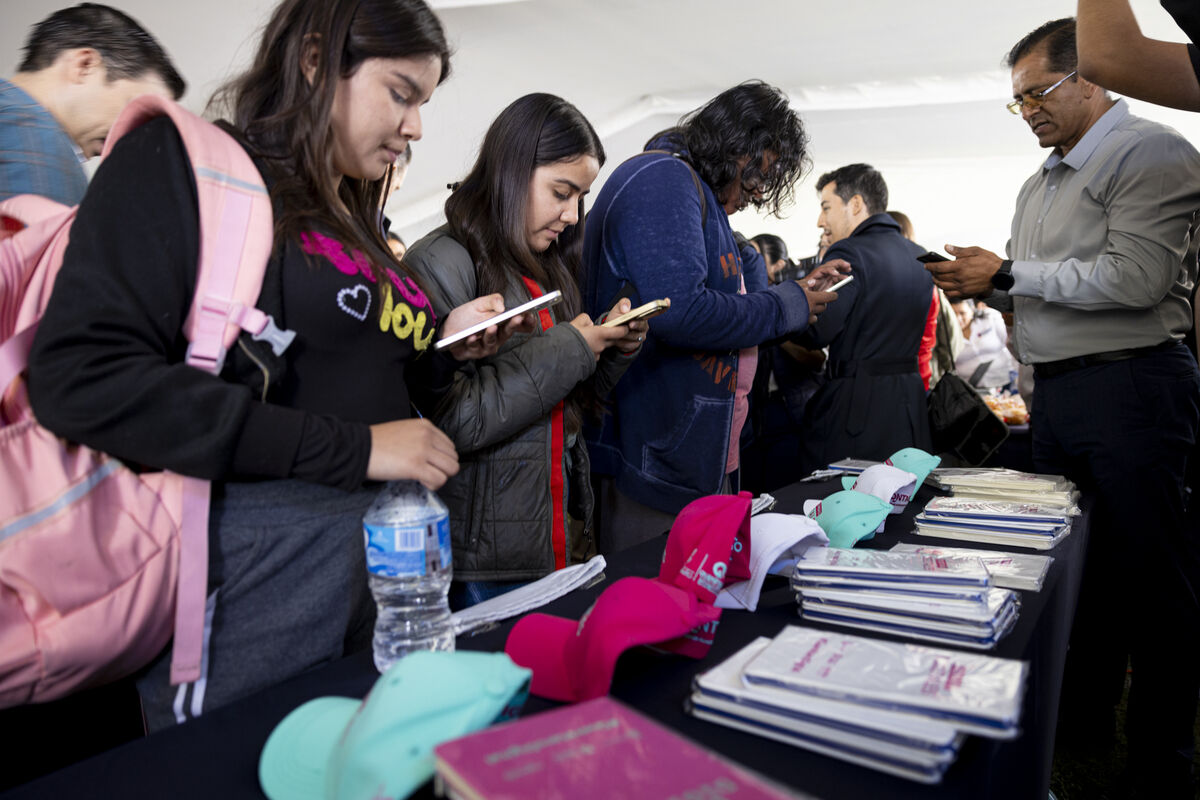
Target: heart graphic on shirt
[[355, 301]]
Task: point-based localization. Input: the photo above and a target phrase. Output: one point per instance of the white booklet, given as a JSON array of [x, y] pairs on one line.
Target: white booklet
[[1008, 570], [997, 526], [1000, 478], [975, 693], [1034, 541], [902, 744], [934, 591], [886, 567], [973, 637], [934, 610], [996, 510]]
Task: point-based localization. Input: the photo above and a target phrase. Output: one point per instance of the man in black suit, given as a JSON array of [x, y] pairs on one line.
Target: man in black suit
[[874, 402]]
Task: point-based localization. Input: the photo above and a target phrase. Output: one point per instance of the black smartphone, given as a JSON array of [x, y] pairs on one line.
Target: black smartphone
[[931, 257]]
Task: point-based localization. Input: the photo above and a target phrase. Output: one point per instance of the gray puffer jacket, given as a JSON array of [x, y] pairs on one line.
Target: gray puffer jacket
[[498, 413]]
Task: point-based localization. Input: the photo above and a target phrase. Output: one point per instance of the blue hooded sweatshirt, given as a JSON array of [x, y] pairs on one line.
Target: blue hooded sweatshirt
[[656, 230]]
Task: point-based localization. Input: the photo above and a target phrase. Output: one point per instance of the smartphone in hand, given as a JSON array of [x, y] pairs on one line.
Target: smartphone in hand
[[537, 303], [651, 309]]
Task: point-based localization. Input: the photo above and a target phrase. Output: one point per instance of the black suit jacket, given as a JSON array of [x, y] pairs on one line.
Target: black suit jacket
[[874, 403]]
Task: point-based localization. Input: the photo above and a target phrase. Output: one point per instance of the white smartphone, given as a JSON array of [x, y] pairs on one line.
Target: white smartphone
[[840, 283], [535, 304]]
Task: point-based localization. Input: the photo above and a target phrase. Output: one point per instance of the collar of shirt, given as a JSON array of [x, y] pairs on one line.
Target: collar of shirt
[[1090, 140]]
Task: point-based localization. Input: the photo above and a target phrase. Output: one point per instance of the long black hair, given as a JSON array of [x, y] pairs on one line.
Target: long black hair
[[487, 211], [750, 121], [286, 119]]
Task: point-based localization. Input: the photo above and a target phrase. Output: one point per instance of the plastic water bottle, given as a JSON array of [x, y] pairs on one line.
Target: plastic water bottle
[[407, 536]]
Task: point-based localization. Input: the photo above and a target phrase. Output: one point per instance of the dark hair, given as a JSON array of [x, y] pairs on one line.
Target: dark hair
[[395, 237], [772, 247], [127, 49], [747, 121], [487, 210], [860, 179], [1058, 36], [286, 119], [906, 226]]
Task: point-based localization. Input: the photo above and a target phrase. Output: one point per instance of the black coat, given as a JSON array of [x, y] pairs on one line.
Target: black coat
[[874, 401]]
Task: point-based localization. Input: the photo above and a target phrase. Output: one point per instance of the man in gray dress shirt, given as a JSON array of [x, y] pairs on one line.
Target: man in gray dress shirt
[[1100, 269]]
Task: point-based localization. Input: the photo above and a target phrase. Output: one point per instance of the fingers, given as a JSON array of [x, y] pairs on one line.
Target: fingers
[[522, 323], [584, 321], [492, 303], [445, 463], [440, 441], [623, 305]]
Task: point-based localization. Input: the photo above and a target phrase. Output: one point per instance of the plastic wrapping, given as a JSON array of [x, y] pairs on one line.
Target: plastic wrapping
[[997, 483], [885, 567], [974, 635], [906, 745], [1008, 570], [977, 693]]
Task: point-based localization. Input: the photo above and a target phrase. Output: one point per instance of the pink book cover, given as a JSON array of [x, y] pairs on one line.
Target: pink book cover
[[597, 749]]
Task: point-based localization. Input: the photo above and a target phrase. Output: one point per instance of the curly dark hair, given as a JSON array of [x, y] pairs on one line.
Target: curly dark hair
[[748, 121]]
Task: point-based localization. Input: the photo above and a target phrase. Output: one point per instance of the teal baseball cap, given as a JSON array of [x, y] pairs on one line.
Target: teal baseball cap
[[848, 516], [341, 748], [916, 461]]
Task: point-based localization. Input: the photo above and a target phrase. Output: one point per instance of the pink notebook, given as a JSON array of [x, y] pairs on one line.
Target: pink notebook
[[597, 749]]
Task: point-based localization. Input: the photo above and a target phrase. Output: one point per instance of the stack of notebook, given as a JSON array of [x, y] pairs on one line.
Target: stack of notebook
[[1007, 485], [1019, 523], [949, 600], [1008, 570], [892, 707]]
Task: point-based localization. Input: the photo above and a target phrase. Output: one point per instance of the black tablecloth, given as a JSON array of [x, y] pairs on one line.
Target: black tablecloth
[[216, 756]]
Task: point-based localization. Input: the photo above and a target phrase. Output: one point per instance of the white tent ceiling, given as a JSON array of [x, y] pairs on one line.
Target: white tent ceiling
[[914, 88]]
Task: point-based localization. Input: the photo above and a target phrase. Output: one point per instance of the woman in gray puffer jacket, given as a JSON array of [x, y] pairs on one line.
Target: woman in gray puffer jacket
[[521, 505]]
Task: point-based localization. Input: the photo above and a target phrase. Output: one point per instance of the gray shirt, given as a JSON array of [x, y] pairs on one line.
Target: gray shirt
[[1100, 242]]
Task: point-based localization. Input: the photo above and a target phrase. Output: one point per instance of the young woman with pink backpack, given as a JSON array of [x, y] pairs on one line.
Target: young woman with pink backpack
[[292, 442]]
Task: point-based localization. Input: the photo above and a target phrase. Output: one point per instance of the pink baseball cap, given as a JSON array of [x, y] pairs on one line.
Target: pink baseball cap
[[709, 546], [574, 660]]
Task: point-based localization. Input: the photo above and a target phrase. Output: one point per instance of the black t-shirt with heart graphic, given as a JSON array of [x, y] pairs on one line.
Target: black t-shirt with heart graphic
[[107, 367]]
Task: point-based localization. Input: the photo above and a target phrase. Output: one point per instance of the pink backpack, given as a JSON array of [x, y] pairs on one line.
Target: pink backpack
[[99, 566]]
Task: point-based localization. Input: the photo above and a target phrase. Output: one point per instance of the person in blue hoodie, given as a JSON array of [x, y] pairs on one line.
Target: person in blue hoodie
[[660, 229]]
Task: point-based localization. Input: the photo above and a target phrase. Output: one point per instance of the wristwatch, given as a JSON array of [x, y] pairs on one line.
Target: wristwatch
[[1002, 279]]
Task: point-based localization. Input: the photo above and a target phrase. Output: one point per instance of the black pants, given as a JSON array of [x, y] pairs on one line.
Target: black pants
[[1124, 431]]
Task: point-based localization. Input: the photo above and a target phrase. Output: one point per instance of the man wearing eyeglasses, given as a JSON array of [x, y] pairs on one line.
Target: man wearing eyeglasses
[[1099, 273]]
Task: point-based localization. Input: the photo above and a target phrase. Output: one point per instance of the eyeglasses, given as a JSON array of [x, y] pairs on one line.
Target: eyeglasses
[[1034, 100]]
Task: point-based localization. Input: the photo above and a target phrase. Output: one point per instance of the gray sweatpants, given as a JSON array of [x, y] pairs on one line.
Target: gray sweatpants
[[287, 592]]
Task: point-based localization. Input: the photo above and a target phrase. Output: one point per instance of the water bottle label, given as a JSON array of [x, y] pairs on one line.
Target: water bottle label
[[400, 551]]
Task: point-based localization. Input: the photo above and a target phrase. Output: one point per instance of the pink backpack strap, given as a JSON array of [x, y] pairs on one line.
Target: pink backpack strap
[[236, 237]]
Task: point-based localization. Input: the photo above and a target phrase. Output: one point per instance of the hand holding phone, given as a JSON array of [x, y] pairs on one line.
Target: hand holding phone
[[536, 304], [840, 284], [646, 311]]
